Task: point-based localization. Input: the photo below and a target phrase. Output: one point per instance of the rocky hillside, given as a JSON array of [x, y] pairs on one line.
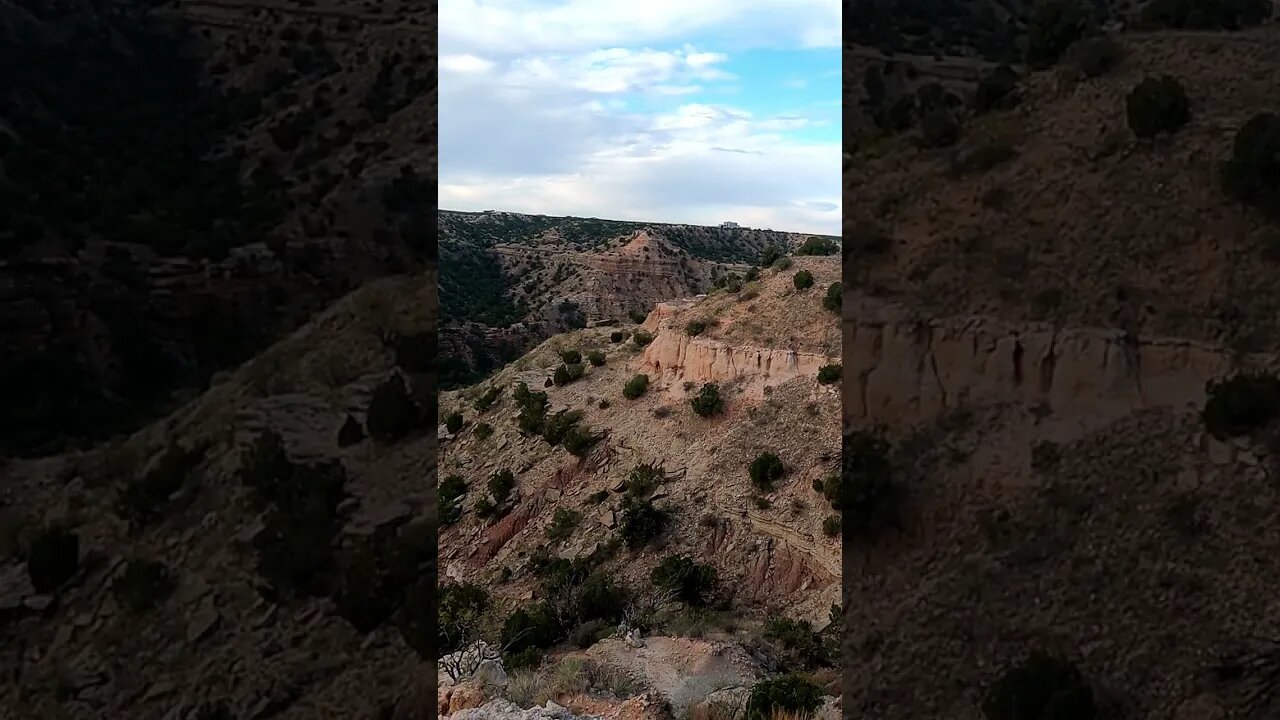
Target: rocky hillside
[[235, 559], [1060, 390], [606, 478], [253, 163], [510, 280]]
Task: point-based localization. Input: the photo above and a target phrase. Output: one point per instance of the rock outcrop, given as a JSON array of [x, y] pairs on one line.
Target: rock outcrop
[[900, 368]]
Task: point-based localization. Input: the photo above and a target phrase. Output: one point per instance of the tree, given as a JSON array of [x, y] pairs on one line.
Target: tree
[[1252, 174], [1054, 25], [708, 401], [1156, 106], [765, 469], [1042, 687], [685, 579]]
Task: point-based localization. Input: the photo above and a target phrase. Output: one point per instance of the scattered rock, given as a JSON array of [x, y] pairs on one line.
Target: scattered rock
[[1220, 453], [39, 603], [202, 622]]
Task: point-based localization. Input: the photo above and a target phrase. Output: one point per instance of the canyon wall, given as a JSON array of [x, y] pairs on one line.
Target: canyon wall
[[674, 356], [899, 367]]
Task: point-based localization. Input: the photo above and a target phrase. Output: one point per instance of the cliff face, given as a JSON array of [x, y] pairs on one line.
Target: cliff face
[[899, 368], [673, 356]]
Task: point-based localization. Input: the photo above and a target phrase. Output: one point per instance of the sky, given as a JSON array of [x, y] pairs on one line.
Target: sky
[[683, 111]]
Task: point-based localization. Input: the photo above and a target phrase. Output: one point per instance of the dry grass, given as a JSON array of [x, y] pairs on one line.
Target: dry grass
[[569, 677]]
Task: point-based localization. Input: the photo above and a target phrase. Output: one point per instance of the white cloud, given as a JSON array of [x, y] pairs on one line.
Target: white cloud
[[542, 111], [695, 165], [521, 26], [464, 63]]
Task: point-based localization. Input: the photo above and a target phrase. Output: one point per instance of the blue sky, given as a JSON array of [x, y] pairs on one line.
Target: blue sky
[[695, 111]]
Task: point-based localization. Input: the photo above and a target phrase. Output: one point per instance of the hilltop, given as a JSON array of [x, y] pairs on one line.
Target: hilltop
[[509, 280], [571, 481], [1037, 317]]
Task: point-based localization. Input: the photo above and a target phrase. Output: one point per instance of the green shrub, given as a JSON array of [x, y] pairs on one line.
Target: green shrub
[[392, 412], [453, 422], [1252, 174], [689, 581], [828, 374], [802, 647], [938, 128], [782, 263], [273, 478], [556, 428], [708, 401], [487, 399], [533, 410], [1095, 56], [485, 508], [770, 255], [52, 558], [1241, 404], [598, 497], [143, 585], [1053, 27], [563, 523], [762, 503], [802, 280], [579, 441], [295, 548], [589, 633], [1045, 455], [817, 246], [868, 494], [351, 433], [566, 374], [635, 387], [460, 608], [1156, 106], [482, 431], [640, 522], [869, 238], [637, 316], [450, 494], [535, 627], [376, 574], [764, 470], [1042, 687], [530, 657], [995, 89], [501, 483], [570, 357], [788, 693], [641, 338], [644, 479], [617, 336], [753, 274], [831, 301], [141, 500], [596, 358], [831, 525], [696, 327]]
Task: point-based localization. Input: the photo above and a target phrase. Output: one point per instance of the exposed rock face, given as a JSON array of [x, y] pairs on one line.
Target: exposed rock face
[[676, 357], [899, 368]]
